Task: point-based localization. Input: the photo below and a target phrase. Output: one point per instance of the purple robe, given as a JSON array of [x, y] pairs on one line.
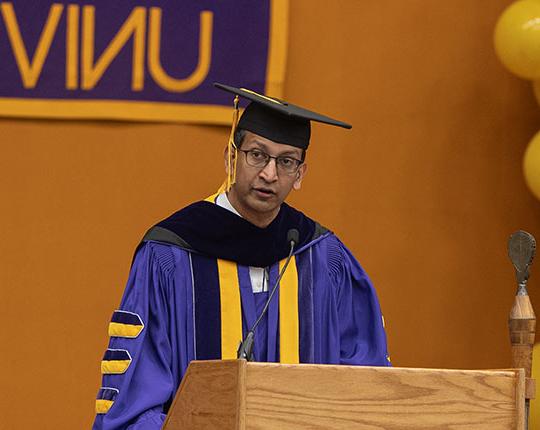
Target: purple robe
[[340, 322]]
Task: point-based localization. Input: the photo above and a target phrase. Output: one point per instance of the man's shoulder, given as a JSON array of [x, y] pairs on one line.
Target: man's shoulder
[[161, 240], [328, 246], [163, 235], [319, 231], [323, 239], [168, 230]]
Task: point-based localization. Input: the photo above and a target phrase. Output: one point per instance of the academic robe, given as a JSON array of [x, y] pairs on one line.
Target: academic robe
[[189, 296]]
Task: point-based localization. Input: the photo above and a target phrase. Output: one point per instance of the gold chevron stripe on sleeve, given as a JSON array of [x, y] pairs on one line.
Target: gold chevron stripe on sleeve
[[114, 367], [103, 406], [124, 330]]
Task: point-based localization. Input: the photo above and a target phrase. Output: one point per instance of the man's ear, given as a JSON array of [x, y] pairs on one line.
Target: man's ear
[[299, 177]]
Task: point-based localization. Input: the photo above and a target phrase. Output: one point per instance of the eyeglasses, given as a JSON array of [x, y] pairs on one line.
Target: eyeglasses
[[259, 158]]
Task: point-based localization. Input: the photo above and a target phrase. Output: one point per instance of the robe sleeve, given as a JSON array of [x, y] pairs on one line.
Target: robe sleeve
[[361, 325], [137, 377]]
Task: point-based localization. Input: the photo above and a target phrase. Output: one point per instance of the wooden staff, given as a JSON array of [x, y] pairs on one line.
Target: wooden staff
[[522, 320]]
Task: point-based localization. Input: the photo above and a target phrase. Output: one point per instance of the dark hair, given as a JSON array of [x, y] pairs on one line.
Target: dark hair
[[240, 134]]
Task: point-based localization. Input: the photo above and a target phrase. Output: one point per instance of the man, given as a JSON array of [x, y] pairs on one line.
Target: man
[[202, 278]]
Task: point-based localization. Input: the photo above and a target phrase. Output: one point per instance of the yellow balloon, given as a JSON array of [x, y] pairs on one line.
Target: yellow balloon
[[517, 38], [531, 165]]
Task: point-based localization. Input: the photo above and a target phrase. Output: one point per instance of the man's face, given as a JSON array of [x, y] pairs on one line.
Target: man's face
[[259, 191]]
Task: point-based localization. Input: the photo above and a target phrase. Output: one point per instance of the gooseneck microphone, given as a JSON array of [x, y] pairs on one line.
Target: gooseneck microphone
[[245, 350]]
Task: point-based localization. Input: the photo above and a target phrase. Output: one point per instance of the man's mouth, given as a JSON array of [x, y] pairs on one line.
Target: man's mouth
[[265, 192]]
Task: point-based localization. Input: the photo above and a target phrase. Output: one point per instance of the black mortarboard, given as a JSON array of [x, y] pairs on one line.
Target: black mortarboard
[[277, 120]]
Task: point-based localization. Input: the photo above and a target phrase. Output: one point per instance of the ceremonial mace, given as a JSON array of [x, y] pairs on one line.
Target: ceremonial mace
[[522, 320]]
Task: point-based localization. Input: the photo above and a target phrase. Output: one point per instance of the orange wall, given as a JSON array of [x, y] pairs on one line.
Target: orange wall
[[425, 190]]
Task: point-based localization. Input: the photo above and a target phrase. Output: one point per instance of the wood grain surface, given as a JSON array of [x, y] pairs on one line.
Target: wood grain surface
[[331, 397], [235, 395], [209, 397], [522, 327]]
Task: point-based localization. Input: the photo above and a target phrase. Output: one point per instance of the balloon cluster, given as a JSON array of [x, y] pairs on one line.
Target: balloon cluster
[[517, 43]]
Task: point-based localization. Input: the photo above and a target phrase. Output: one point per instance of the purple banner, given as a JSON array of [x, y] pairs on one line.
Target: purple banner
[[139, 60]]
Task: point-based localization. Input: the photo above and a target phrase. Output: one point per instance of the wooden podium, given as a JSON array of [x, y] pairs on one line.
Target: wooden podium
[[237, 395]]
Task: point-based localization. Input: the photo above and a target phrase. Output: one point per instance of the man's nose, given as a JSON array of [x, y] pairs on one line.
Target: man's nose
[[269, 172]]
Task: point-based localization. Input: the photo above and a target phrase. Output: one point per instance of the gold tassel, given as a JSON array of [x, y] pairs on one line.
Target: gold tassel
[[232, 154]]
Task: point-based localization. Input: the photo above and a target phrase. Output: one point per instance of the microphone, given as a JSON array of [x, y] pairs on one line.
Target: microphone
[[245, 350], [293, 237]]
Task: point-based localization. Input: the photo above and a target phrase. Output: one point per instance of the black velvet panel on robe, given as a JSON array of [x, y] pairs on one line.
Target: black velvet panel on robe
[[211, 230]]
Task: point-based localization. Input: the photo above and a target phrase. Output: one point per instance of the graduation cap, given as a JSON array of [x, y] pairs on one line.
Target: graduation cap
[[277, 120]]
